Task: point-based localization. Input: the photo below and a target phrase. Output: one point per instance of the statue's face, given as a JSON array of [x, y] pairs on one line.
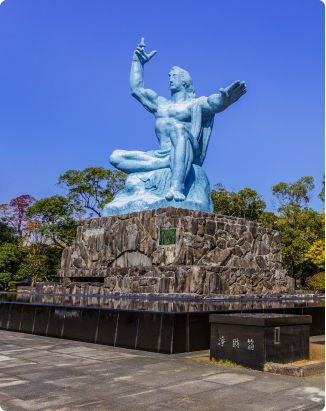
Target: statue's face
[[175, 81]]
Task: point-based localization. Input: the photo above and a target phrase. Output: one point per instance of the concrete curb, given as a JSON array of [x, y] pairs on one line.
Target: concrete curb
[[291, 370]]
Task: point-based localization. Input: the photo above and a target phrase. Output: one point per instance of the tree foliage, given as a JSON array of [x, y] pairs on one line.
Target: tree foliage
[[247, 203], [56, 216], [305, 270], [15, 212], [39, 264], [293, 195], [11, 256], [321, 195], [299, 224], [7, 234], [93, 187], [317, 282]]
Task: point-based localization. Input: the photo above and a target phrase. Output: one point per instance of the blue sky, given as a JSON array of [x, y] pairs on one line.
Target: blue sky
[[65, 101]]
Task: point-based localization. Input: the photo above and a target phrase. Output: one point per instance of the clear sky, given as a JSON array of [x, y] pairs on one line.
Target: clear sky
[[65, 101]]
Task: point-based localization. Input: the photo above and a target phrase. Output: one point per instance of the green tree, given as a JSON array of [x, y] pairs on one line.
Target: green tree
[[7, 234], [299, 224], [11, 256], [268, 219], [247, 203], [305, 270], [32, 268], [93, 187], [321, 195], [39, 265], [296, 195], [56, 216]]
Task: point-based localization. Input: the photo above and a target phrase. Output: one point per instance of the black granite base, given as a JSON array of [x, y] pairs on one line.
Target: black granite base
[[168, 333], [251, 340], [133, 326]]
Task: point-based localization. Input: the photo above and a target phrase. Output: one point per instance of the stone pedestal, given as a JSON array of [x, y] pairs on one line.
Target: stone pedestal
[[252, 339], [206, 254]]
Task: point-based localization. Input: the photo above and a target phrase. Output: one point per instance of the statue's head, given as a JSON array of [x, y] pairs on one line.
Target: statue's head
[[180, 79]]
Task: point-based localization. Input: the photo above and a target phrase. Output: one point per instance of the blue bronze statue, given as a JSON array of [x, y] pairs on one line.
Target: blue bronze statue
[[171, 175]]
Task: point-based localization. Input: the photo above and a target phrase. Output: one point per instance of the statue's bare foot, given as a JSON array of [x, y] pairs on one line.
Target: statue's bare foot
[[176, 194]]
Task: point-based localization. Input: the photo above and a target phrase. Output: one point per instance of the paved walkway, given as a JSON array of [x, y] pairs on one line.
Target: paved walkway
[[41, 373]]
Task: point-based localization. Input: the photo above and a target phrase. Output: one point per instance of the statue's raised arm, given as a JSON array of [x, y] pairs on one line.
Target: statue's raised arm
[[148, 98]]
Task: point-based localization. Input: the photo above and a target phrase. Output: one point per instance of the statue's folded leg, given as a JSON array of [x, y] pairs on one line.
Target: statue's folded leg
[[137, 161], [181, 158]]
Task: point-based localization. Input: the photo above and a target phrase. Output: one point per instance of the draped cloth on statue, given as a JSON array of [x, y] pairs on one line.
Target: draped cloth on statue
[[147, 190]]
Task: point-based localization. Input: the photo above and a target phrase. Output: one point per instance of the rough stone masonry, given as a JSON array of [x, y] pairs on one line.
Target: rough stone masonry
[[213, 254]]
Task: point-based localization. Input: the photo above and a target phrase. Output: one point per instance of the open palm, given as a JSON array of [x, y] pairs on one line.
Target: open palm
[[233, 92]]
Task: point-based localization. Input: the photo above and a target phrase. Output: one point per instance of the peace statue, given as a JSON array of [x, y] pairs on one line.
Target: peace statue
[[171, 175]]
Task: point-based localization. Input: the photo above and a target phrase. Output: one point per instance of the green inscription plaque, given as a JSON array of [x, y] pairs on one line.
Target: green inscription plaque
[[167, 236]]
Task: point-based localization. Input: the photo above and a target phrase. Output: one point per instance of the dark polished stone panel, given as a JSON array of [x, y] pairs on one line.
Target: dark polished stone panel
[[56, 319], [107, 325], [27, 320], [41, 320], [180, 333], [167, 334], [199, 333], [5, 316], [149, 331], [127, 329], [293, 344], [2, 306], [15, 316], [318, 319], [293, 311], [230, 342], [80, 324]]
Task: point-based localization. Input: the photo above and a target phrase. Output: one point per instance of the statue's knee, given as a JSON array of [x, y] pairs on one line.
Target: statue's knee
[[116, 157]]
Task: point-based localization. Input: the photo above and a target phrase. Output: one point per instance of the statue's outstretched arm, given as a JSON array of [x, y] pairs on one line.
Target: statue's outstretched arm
[[229, 95], [148, 98]]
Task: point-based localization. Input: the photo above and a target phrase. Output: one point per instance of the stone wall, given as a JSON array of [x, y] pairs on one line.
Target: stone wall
[[203, 239], [213, 254], [189, 279]]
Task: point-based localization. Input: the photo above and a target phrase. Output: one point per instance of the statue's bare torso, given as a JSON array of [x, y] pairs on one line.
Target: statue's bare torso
[[169, 114]]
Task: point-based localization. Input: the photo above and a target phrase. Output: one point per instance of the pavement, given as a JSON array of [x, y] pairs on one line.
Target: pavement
[[49, 374]]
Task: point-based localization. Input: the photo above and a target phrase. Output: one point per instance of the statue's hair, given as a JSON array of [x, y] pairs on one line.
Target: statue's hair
[[186, 82]]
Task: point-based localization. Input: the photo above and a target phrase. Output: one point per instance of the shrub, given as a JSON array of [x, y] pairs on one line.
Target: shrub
[[317, 282]]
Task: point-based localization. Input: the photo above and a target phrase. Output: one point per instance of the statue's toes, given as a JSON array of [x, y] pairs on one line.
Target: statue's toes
[[179, 197], [169, 196]]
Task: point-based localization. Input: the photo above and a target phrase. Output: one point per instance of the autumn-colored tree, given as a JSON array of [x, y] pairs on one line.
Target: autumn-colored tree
[[15, 212], [317, 251]]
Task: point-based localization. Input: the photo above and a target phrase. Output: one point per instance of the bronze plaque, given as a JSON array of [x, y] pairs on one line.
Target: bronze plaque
[[167, 236]]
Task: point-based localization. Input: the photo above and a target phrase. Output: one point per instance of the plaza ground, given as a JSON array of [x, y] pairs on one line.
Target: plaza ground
[[48, 374]]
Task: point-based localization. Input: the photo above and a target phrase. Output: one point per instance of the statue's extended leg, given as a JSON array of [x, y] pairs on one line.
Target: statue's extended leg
[[137, 161], [181, 158]]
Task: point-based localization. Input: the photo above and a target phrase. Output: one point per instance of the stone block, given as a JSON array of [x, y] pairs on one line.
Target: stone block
[[253, 339]]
